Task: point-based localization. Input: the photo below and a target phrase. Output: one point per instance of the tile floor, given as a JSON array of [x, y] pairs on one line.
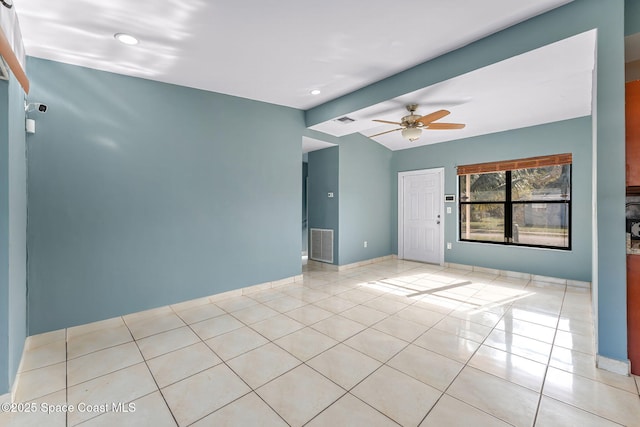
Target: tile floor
[[392, 343]]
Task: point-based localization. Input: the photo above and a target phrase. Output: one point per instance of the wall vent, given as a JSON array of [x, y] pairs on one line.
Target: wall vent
[[321, 245], [345, 120]]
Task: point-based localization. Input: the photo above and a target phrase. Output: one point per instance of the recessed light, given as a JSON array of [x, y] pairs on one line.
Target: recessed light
[[126, 38], [315, 92]]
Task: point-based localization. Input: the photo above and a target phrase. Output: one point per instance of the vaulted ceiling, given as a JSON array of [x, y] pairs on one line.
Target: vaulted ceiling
[[278, 52]]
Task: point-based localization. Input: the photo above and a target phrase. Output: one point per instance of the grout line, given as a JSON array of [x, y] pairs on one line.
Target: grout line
[[152, 376], [297, 291], [546, 369], [466, 364], [252, 390]]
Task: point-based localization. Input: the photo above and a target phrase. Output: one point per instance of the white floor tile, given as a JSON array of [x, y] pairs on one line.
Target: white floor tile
[[81, 344], [335, 304], [339, 328], [49, 418], [365, 315], [44, 355], [249, 410], [254, 313], [179, 364], [277, 326], [309, 314], [150, 410], [40, 382], [463, 328], [447, 344], [585, 365], [575, 341], [535, 350], [199, 395], [102, 362], [236, 342], [261, 365], [504, 400], [508, 366], [398, 327], [397, 395], [555, 413], [351, 411], [300, 394], [592, 396], [305, 343], [35, 341], [350, 349], [199, 313], [80, 330], [233, 304], [217, 326], [145, 327], [166, 342], [426, 366], [344, 365], [376, 344], [285, 303], [122, 386], [452, 412]]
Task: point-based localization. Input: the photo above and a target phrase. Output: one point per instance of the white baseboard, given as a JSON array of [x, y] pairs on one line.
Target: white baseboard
[[365, 262], [256, 288], [519, 275], [322, 265], [622, 367], [333, 267], [5, 398]]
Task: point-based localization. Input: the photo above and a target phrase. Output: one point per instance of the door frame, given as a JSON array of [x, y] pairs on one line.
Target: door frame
[[401, 176]]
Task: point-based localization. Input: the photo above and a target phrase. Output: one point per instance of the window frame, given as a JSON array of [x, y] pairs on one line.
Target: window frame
[[509, 204]]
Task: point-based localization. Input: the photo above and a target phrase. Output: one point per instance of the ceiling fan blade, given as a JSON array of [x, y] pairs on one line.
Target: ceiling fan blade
[[382, 133], [386, 121], [445, 126], [425, 120]]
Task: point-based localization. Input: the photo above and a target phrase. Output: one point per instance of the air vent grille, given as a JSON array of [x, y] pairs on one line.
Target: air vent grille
[[321, 245], [345, 120]]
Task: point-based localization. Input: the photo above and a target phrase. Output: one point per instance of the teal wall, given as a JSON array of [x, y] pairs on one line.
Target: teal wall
[[609, 266], [13, 216], [365, 199], [305, 221], [631, 17], [4, 237], [143, 194], [572, 136], [323, 178]]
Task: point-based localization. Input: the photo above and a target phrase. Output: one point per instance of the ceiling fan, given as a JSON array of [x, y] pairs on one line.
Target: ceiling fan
[[412, 124]]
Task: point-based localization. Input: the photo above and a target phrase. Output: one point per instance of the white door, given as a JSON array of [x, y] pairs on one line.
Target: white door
[[420, 233]]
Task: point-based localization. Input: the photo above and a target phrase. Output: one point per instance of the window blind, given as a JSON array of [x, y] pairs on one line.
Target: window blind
[[506, 165]]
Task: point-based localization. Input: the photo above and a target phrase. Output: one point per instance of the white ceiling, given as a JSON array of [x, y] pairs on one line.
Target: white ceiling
[[275, 52], [312, 144], [548, 84]]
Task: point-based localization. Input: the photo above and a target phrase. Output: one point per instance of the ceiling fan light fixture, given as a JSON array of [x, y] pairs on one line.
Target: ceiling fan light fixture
[[315, 92], [127, 39], [412, 134]]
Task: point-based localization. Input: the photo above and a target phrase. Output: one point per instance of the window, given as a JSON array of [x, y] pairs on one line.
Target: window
[[524, 202]]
